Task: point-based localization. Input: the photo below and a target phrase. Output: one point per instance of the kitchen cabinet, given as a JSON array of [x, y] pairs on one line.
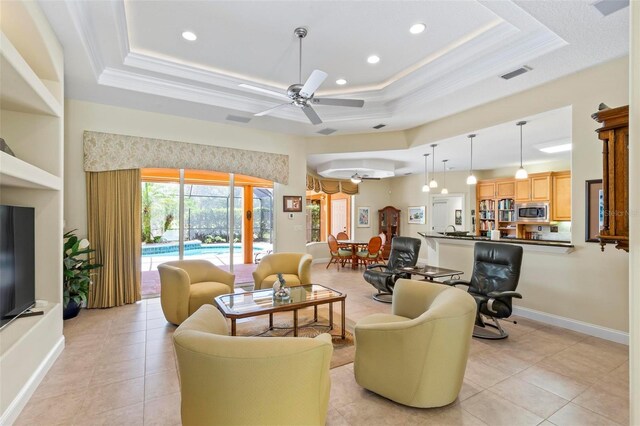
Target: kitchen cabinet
[[561, 198], [614, 134], [540, 187], [388, 224], [537, 187], [506, 188], [523, 189], [486, 190]]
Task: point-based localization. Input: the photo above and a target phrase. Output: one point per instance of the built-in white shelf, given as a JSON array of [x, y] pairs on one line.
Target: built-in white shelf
[[17, 173], [20, 88]]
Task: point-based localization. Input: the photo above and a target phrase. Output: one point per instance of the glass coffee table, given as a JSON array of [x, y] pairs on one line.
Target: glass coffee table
[[262, 302], [431, 272]]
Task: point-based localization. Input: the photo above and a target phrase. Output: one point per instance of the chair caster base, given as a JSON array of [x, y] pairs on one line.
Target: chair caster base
[[484, 333], [383, 297]]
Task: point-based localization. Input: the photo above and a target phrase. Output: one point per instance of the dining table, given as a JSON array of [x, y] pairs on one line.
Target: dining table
[[354, 246]]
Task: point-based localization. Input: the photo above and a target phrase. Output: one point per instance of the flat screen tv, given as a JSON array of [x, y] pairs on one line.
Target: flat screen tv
[[17, 261]]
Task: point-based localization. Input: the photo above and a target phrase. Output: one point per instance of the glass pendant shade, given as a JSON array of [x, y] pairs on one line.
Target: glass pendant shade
[[433, 183], [444, 191], [471, 180], [521, 173], [425, 188]]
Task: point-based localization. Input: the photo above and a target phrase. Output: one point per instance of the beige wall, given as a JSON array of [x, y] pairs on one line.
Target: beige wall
[[586, 285], [81, 116], [374, 194]]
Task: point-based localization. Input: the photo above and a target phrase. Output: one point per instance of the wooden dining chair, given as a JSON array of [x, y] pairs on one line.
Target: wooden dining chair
[[383, 237], [342, 236], [372, 253], [339, 256]]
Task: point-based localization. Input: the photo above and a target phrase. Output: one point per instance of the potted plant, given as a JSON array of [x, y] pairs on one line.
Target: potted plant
[[77, 266]]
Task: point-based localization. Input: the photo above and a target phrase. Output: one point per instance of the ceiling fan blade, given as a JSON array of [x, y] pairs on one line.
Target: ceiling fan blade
[[370, 178], [313, 82], [268, 111], [358, 103], [265, 91], [311, 115]]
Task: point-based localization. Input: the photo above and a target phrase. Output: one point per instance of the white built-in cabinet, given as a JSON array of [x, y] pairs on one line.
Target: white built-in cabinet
[[31, 122]]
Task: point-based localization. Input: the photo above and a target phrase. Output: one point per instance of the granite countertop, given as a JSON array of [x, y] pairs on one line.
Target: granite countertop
[[501, 240]]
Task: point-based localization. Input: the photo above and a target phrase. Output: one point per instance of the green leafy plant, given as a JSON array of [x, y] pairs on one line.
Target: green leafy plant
[[77, 267]]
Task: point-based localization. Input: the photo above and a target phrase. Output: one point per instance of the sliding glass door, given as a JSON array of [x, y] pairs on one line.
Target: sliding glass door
[[187, 215]]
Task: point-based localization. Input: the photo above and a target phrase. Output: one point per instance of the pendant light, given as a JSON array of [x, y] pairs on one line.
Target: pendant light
[[471, 179], [444, 177], [433, 183], [521, 173], [425, 187]]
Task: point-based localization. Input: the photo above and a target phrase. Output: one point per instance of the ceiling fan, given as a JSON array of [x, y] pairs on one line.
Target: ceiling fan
[[301, 95], [356, 178]]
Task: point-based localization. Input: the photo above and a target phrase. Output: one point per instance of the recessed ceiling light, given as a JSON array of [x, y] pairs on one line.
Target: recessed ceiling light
[[188, 35], [373, 59], [341, 81], [556, 148], [417, 28]]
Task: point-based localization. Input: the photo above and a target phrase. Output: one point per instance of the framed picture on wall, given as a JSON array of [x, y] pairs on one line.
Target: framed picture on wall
[[292, 203], [458, 217], [416, 215], [364, 217], [594, 210]]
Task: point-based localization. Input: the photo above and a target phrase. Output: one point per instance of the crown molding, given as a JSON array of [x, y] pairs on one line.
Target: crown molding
[[79, 16]]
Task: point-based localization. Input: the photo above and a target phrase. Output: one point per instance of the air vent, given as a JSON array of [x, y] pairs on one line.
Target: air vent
[[238, 118], [379, 126], [607, 7], [516, 73], [327, 131]]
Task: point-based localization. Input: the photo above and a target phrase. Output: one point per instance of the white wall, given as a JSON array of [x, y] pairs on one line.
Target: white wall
[[81, 116]]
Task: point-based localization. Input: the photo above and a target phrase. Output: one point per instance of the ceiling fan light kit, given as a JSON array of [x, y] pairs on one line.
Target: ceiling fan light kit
[[521, 173], [302, 95], [471, 179], [356, 178]]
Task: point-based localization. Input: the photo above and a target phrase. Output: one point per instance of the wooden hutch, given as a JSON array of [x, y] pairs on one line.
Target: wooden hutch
[[614, 135], [389, 225]]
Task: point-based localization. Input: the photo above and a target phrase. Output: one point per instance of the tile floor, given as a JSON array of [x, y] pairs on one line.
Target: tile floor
[[118, 367]]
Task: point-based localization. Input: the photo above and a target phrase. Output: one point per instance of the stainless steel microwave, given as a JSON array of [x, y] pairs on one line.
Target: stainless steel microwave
[[532, 212]]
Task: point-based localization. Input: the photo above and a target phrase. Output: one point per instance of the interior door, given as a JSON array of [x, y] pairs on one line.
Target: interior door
[[338, 216], [439, 214]]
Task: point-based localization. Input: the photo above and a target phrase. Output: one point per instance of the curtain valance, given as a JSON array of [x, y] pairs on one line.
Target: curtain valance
[[108, 151], [330, 186]]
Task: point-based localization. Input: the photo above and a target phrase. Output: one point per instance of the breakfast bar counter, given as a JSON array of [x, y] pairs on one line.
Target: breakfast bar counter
[[528, 245]]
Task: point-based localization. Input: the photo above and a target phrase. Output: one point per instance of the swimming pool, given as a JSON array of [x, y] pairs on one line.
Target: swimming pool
[[193, 249]]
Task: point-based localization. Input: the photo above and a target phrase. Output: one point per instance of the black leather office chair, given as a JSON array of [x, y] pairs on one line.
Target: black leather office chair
[[404, 253], [496, 271]]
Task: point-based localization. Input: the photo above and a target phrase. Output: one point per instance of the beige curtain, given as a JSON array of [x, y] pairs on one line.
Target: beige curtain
[[113, 216], [330, 186]]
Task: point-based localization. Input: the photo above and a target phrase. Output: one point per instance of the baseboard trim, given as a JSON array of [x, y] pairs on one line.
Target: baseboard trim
[[323, 260], [20, 401], [574, 325]]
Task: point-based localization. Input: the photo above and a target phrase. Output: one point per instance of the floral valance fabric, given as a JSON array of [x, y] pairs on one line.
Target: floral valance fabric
[[108, 151], [330, 186]]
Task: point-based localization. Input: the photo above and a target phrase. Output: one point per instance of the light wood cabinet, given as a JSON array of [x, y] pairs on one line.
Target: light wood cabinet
[[614, 135], [486, 190], [540, 187], [506, 189], [561, 199], [523, 189], [389, 224]]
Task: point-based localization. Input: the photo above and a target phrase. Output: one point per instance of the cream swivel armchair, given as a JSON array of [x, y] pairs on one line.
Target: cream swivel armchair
[[294, 267], [230, 380], [417, 355], [185, 285]]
